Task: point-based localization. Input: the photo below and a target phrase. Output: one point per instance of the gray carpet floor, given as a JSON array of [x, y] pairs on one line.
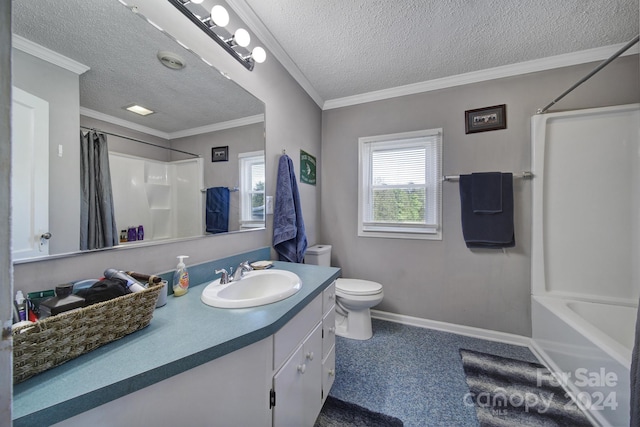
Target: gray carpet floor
[[414, 374]]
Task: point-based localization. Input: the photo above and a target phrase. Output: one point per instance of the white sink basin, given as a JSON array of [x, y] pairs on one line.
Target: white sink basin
[[258, 287]]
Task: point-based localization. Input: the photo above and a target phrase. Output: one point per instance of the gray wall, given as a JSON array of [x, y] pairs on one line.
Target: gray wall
[[126, 146], [241, 139], [293, 122], [60, 88], [443, 280]]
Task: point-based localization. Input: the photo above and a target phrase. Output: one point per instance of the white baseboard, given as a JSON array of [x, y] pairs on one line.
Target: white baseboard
[[468, 331]]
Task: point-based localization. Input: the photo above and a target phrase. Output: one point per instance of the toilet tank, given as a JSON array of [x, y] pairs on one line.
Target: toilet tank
[[318, 255]]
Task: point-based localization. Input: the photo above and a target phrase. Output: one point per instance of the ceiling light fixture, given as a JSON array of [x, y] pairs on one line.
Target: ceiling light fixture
[[257, 55], [235, 43], [171, 60], [219, 16], [139, 109], [240, 38]]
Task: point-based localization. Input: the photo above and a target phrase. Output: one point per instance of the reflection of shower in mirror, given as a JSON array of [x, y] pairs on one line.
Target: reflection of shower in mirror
[[163, 197]]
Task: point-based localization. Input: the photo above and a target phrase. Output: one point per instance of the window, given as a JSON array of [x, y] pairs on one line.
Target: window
[[399, 192], [252, 189]]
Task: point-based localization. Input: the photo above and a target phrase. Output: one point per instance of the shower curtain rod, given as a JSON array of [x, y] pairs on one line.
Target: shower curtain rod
[[141, 142], [591, 74], [524, 175]]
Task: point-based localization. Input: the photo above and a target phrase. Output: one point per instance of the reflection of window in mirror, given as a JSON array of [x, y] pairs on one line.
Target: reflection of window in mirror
[[252, 198]]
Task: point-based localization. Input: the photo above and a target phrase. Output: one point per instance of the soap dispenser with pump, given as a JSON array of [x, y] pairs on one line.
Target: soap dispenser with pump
[[181, 278]]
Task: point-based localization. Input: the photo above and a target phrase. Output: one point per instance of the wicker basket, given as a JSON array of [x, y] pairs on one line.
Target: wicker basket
[[58, 339]]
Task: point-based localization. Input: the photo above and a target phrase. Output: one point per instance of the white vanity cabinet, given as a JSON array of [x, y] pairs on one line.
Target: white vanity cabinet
[[304, 363], [328, 339], [281, 380]]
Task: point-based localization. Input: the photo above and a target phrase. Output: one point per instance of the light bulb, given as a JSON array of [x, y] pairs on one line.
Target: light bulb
[[242, 37], [219, 16], [258, 54]]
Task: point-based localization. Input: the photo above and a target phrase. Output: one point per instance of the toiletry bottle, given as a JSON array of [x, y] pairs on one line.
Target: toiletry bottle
[[140, 232], [181, 278], [22, 306]]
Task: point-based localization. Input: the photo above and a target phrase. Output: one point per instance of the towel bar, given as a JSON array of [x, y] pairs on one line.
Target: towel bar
[[234, 189], [524, 175]]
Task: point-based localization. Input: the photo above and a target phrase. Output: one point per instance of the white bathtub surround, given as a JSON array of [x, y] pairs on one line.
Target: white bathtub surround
[[164, 197], [585, 247]]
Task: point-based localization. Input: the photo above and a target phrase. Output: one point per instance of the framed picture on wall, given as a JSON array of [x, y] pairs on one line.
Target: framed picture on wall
[[485, 119], [220, 154]]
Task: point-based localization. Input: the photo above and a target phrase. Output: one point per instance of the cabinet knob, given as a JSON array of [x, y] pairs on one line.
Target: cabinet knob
[[332, 295], [302, 368], [332, 329], [310, 355], [332, 372]]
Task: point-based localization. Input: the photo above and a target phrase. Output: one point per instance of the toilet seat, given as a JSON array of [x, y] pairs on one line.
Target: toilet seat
[[357, 287]]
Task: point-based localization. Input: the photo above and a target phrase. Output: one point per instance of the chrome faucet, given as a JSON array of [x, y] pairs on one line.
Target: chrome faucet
[[230, 276], [240, 270], [224, 279]]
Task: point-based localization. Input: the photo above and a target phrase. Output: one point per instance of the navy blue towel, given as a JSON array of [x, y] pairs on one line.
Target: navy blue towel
[[486, 192], [217, 210], [289, 236], [487, 230]]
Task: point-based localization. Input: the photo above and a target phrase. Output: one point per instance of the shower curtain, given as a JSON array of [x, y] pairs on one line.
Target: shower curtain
[[97, 220]]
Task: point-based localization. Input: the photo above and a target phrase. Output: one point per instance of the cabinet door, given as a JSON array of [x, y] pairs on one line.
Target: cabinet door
[[328, 298], [298, 384], [329, 332], [313, 376], [288, 383], [328, 372]]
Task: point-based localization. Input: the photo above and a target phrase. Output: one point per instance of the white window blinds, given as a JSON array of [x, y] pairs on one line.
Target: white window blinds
[[400, 185]]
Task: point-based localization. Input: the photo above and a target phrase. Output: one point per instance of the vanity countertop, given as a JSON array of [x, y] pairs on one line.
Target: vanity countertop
[[183, 334]]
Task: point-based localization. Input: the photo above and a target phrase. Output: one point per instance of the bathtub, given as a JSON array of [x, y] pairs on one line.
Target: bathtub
[[590, 344], [585, 278]]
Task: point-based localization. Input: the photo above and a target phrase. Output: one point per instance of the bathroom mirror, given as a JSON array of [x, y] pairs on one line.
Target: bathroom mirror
[[89, 60]]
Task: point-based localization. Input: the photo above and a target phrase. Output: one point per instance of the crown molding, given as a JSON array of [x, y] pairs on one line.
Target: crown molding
[[259, 118], [34, 49], [254, 23], [121, 122], [536, 65]]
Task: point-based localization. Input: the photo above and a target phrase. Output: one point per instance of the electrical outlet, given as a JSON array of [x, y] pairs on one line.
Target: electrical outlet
[[269, 205]]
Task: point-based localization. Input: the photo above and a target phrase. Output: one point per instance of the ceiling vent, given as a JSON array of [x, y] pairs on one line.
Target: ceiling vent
[[171, 60]]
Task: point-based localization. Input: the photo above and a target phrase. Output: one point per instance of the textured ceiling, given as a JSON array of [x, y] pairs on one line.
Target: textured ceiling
[[120, 48], [342, 48], [352, 47]]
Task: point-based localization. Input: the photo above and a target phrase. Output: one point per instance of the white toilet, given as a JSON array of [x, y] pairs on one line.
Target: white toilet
[[354, 298]]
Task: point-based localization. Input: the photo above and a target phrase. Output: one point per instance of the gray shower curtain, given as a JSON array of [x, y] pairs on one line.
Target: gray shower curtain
[[97, 220]]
